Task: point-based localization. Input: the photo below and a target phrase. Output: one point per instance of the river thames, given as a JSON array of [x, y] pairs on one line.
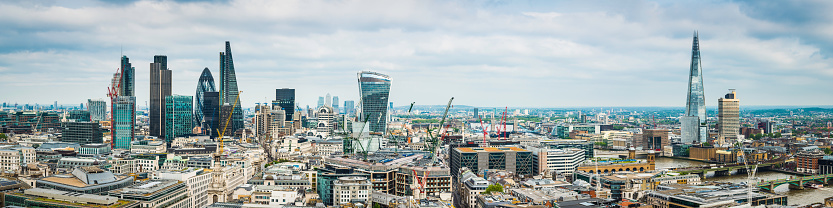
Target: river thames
[[802, 197]]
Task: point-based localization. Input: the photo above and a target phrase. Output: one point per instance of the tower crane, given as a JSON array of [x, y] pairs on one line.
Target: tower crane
[[113, 94], [223, 133], [435, 142], [750, 173]]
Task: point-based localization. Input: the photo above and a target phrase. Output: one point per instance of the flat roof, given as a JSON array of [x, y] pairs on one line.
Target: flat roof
[[490, 149]]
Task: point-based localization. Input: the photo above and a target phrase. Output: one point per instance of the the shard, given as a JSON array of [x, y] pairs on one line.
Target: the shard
[[694, 126], [205, 84], [229, 93]]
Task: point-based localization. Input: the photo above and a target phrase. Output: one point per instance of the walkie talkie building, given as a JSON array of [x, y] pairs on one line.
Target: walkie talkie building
[[374, 89]]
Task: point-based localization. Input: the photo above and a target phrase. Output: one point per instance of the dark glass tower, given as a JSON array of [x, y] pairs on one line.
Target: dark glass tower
[[286, 99], [127, 78], [694, 128], [205, 84], [374, 89], [160, 87], [211, 112], [229, 92]]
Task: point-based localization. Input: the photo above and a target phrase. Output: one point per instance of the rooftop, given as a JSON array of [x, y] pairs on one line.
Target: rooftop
[[490, 149]]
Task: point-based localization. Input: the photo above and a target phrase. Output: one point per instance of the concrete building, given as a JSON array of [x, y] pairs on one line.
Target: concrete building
[[98, 110], [92, 150], [158, 193], [728, 118], [223, 181], [39, 197], [351, 190], [86, 180], [516, 160], [587, 146], [12, 158], [470, 187], [197, 181], [807, 161], [436, 180], [328, 148], [655, 139], [556, 161], [326, 121], [709, 195], [146, 146]]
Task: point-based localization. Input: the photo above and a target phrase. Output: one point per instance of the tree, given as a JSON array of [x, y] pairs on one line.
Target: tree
[[3, 137], [706, 144], [777, 134], [493, 188], [35, 145], [827, 151], [601, 144]]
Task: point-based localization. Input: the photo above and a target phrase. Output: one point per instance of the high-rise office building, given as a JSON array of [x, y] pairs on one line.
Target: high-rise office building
[[328, 100], [160, 87], [225, 122], [79, 116], [98, 109], [205, 84], [320, 102], [127, 79], [178, 116], [81, 132], [476, 113], [263, 119], [349, 107], [335, 105], [228, 90], [285, 98], [374, 89], [124, 121], [211, 113], [694, 128], [728, 116]]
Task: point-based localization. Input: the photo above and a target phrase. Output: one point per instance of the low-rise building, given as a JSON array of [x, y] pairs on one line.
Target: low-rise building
[[709, 195], [86, 180], [196, 180], [556, 161], [93, 150], [146, 146], [351, 190], [39, 197], [156, 193]]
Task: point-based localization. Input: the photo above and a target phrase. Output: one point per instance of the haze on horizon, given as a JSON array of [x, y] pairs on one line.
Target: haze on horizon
[[483, 53]]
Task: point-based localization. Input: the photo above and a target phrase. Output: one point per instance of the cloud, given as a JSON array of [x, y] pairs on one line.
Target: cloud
[[484, 53]]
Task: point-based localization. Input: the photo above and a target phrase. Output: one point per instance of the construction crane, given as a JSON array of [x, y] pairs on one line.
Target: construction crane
[[113, 94], [750, 173], [484, 131], [434, 143], [420, 183], [395, 140], [223, 133]]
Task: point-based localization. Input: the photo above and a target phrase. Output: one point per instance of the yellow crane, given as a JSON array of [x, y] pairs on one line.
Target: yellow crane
[[222, 133]]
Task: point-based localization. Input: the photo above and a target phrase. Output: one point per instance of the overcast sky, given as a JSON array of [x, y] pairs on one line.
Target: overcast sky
[[483, 53]]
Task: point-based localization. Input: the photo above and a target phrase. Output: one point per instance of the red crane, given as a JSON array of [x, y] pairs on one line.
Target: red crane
[[421, 181], [484, 130], [113, 94]]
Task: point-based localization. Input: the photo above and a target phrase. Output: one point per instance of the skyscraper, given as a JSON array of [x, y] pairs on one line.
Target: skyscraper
[[211, 112], [178, 116], [160, 87], [124, 121], [728, 116], [205, 84], [335, 105], [320, 102], [374, 89], [349, 107], [328, 100], [694, 127], [285, 98], [98, 109], [127, 78], [228, 90]]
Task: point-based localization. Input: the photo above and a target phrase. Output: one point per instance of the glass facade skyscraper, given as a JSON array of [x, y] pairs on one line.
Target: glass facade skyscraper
[[228, 89], [98, 110], [694, 128], [285, 98], [205, 84], [211, 112], [124, 121], [128, 78], [160, 87], [178, 116], [374, 89]]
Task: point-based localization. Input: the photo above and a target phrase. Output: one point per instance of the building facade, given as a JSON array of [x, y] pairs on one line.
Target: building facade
[[374, 89], [285, 98], [178, 116], [124, 122], [807, 161], [211, 113], [351, 190], [160, 87], [229, 93], [513, 159], [728, 117], [98, 109], [205, 84], [81, 132], [556, 161], [695, 112]]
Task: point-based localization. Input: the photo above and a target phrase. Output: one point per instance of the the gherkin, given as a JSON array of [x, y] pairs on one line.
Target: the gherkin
[[205, 84], [229, 93]]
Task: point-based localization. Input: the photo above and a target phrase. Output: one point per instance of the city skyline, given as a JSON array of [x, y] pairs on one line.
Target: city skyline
[[532, 54]]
